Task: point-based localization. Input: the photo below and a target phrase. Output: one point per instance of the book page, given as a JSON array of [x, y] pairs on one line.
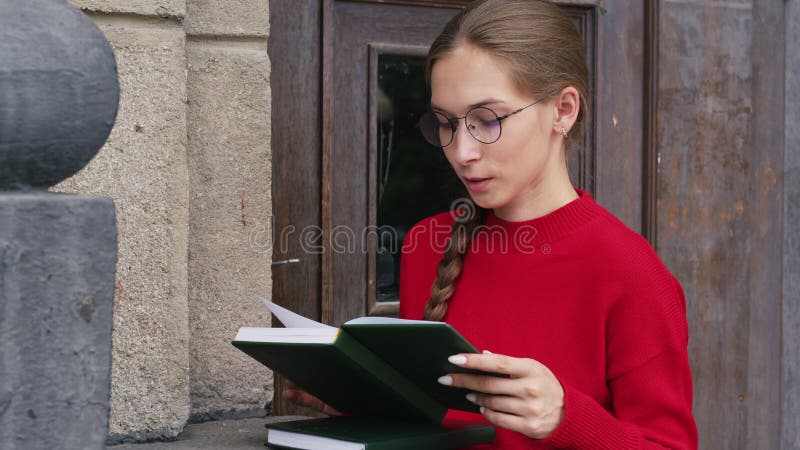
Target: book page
[[306, 441], [291, 319], [293, 335], [377, 320]]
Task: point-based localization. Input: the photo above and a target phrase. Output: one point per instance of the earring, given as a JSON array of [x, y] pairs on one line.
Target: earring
[[564, 132]]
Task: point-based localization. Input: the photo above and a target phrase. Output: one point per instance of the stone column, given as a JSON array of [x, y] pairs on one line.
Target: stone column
[[58, 102], [143, 168], [229, 203]]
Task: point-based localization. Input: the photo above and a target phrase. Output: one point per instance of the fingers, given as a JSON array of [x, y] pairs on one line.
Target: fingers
[[303, 398], [503, 403], [502, 364], [482, 383]]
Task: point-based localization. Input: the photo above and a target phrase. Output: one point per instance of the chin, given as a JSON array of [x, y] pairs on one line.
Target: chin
[[486, 202]]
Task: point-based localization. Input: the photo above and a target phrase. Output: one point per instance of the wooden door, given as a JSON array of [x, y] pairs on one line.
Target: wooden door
[[333, 68], [373, 58], [699, 156]]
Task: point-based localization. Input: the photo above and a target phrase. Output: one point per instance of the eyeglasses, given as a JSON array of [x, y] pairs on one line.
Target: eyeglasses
[[482, 123]]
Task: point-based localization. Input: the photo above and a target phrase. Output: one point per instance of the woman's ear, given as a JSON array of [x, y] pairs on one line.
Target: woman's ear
[[567, 104]]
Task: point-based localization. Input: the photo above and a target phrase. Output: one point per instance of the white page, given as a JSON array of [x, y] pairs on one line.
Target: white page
[[295, 335], [390, 320], [291, 319], [309, 441]]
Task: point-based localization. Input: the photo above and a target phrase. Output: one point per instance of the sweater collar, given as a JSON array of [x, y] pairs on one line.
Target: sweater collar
[[550, 227]]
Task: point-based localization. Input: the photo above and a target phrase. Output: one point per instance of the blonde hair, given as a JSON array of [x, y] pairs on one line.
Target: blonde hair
[[544, 54]]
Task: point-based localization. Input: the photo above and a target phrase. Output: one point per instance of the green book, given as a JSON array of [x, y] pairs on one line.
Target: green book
[[373, 433], [374, 366]]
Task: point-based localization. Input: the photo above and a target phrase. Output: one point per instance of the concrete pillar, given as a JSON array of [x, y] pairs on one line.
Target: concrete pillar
[[58, 99], [229, 172], [143, 167], [188, 165]]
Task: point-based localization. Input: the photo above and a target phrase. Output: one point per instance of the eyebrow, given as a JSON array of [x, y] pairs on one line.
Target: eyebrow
[[488, 101]]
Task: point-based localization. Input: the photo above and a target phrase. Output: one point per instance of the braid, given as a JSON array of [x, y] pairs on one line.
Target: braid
[[450, 266]]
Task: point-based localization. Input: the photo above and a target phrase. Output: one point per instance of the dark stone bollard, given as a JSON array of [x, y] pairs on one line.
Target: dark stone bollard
[[58, 92], [58, 101], [57, 268]]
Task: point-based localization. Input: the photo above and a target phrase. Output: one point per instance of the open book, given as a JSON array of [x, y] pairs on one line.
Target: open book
[[373, 366]]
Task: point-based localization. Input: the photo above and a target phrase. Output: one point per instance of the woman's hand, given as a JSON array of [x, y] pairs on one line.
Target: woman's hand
[[530, 400], [296, 394]]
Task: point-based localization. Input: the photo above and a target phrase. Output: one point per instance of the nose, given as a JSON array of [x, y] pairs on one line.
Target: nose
[[465, 148]]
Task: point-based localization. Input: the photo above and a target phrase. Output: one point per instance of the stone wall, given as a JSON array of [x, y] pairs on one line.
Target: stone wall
[[188, 165]]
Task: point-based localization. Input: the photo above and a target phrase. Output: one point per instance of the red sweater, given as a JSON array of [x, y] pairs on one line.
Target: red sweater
[[584, 295]]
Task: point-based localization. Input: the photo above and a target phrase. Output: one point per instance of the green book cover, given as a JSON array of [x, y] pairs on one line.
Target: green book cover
[[373, 433], [419, 351], [343, 374], [372, 365]]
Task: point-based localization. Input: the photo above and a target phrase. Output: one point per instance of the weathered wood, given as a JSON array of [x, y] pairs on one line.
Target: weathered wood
[[790, 355], [327, 26], [346, 213], [702, 229], [725, 221], [650, 138], [294, 52], [581, 160], [451, 3], [765, 224], [620, 109], [720, 96]]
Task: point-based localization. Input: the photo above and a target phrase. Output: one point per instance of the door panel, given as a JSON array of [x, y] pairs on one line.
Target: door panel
[[712, 121], [360, 30], [357, 270], [343, 80]]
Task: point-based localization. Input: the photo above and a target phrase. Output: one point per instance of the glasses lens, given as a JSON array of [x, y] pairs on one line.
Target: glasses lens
[[436, 128], [483, 125]]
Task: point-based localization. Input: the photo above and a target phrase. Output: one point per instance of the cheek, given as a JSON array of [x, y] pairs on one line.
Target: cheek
[[522, 162], [521, 153]]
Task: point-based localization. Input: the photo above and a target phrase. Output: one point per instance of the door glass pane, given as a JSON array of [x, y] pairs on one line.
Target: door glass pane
[[414, 178]]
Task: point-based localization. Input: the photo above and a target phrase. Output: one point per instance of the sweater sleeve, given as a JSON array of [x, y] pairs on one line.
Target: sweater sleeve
[[652, 410], [648, 376]]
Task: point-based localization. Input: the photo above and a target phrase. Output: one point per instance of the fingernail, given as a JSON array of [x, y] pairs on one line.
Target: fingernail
[[487, 352], [471, 397], [446, 380], [481, 409], [457, 359]]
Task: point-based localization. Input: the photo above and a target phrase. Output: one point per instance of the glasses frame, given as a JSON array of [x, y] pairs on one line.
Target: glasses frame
[[453, 127]]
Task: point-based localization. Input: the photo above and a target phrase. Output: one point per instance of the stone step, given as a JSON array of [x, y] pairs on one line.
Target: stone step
[[228, 434]]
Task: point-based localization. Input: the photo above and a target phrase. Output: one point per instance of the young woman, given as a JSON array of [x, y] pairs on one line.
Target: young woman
[[573, 307]]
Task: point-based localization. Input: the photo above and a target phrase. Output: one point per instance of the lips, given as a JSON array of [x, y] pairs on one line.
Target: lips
[[475, 184]]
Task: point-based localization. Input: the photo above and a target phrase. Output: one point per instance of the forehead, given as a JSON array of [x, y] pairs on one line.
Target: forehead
[[469, 75]]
